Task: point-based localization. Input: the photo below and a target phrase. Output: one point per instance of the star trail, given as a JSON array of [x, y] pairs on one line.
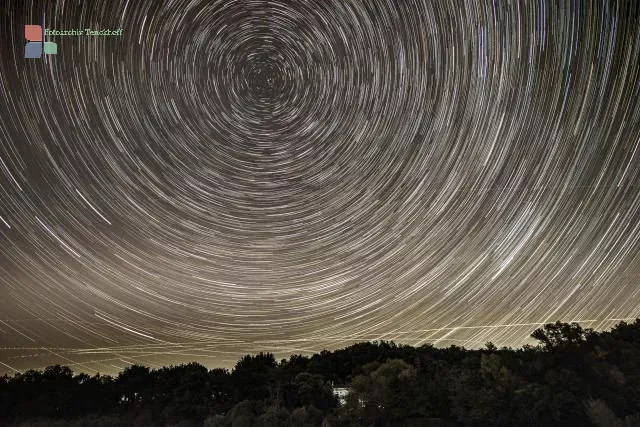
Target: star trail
[[227, 177]]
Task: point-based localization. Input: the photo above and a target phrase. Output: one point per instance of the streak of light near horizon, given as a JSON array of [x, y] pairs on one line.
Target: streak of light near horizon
[[235, 176]]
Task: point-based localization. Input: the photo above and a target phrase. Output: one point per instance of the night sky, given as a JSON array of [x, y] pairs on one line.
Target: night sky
[[229, 177]]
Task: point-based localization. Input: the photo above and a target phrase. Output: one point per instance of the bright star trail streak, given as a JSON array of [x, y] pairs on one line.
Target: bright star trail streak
[[230, 176]]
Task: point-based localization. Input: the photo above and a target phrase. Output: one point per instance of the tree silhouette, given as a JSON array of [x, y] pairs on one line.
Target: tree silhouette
[[253, 377], [574, 377]]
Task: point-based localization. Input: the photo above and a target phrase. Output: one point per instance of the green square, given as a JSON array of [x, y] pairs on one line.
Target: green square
[[50, 48]]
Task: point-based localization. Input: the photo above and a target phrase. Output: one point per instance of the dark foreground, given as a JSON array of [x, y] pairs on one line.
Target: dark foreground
[[574, 377]]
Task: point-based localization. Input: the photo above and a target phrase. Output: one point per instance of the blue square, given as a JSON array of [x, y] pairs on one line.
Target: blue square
[[33, 50]]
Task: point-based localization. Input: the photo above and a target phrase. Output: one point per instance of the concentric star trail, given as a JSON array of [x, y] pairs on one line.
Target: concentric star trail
[[232, 176]]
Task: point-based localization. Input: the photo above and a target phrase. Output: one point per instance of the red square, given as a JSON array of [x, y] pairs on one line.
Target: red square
[[33, 33]]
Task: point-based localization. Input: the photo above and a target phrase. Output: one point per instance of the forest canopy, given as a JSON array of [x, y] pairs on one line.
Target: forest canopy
[[574, 376]]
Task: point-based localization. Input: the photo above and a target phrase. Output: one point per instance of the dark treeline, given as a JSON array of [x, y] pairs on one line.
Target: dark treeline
[[574, 377]]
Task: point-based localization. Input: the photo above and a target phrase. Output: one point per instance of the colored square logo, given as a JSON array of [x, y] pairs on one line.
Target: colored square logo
[[50, 48], [33, 33], [37, 44], [33, 50]]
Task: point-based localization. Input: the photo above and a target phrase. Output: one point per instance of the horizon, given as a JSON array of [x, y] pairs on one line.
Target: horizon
[[185, 359]]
